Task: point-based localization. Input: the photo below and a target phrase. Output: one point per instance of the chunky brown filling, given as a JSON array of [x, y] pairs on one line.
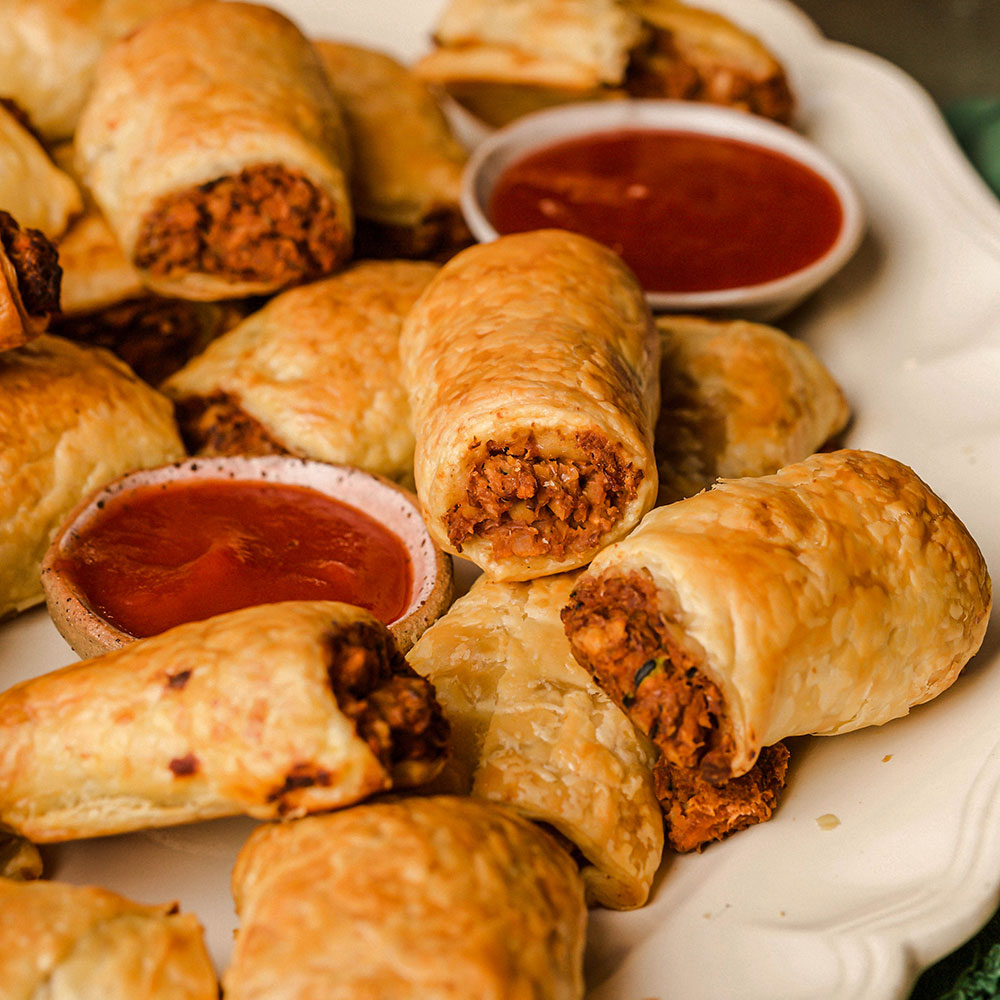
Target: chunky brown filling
[[266, 224], [664, 69], [393, 708], [153, 336], [527, 505], [36, 264], [438, 237], [216, 425], [617, 632], [697, 812]]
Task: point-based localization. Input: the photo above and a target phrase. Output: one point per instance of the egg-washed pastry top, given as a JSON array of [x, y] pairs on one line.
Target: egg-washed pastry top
[[531, 364], [271, 711], [425, 897], [530, 728], [214, 147], [835, 594]]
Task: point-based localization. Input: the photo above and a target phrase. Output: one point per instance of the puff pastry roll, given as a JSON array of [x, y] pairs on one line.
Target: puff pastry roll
[[315, 373], [49, 50], [431, 897], [271, 711], [835, 594], [407, 164], [30, 276], [738, 399], [82, 943], [72, 418], [215, 149], [503, 59], [32, 188], [531, 729], [531, 364]]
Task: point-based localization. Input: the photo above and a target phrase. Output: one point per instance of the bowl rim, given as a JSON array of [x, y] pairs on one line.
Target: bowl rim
[[386, 502], [552, 125]]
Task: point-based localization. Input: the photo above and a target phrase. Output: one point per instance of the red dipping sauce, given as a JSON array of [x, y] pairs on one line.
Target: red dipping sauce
[[687, 212], [169, 553]]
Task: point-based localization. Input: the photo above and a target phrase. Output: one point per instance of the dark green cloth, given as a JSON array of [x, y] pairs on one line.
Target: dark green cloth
[[976, 124], [972, 972]]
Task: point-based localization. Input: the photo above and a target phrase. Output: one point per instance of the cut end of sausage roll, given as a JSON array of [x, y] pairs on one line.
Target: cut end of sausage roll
[[267, 225], [392, 707], [30, 276], [218, 425], [617, 630], [697, 812], [525, 503]]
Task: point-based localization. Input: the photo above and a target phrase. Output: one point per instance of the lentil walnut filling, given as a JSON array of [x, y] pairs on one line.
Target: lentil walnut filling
[[527, 504]]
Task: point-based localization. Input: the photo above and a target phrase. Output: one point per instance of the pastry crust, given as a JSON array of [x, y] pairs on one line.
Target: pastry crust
[[504, 59], [273, 711], [534, 353], [833, 595], [423, 899], [71, 419], [82, 943], [317, 370], [407, 164], [738, 399], [531, 729], [201, 112], [32, 188], [49, 49]]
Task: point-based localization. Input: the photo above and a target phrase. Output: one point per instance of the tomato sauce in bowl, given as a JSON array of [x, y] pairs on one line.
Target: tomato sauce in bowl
[[687, 212], [164, 554], [717, 211]]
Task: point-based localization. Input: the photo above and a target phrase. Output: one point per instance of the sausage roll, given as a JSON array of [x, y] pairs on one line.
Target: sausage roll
[[214, 147], [531, 729], [424, 897], [49, 50], [71, 419], [833, 595], [29, 283], [273, 711], [503, 59], [531, 364], [738, 399], [407, 164], [32, 188], [315, 373], [84, 943]]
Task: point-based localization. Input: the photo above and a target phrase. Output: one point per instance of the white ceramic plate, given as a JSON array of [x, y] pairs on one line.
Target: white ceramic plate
[[795, 908]]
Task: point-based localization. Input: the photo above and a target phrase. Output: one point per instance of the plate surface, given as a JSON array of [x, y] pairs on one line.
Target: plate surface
[[885, 852]]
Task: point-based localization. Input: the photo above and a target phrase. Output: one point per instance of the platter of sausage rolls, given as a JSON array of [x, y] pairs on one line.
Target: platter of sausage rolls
[[711, 711]]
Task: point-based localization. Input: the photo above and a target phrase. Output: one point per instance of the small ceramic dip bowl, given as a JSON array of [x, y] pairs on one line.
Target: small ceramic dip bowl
[[189, 540], [717, 211]]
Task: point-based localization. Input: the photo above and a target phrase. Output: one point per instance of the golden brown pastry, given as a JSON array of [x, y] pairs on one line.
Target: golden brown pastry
[[315, 373], [407, 164], [215, 149], [69, 942], [738, 399], [531, 729], [72, 418], [531, 364], [835, 594], [49, 48], [503, 59], [32, 188], [420, 899], [29, 283], [273, 711], [19, 858]]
